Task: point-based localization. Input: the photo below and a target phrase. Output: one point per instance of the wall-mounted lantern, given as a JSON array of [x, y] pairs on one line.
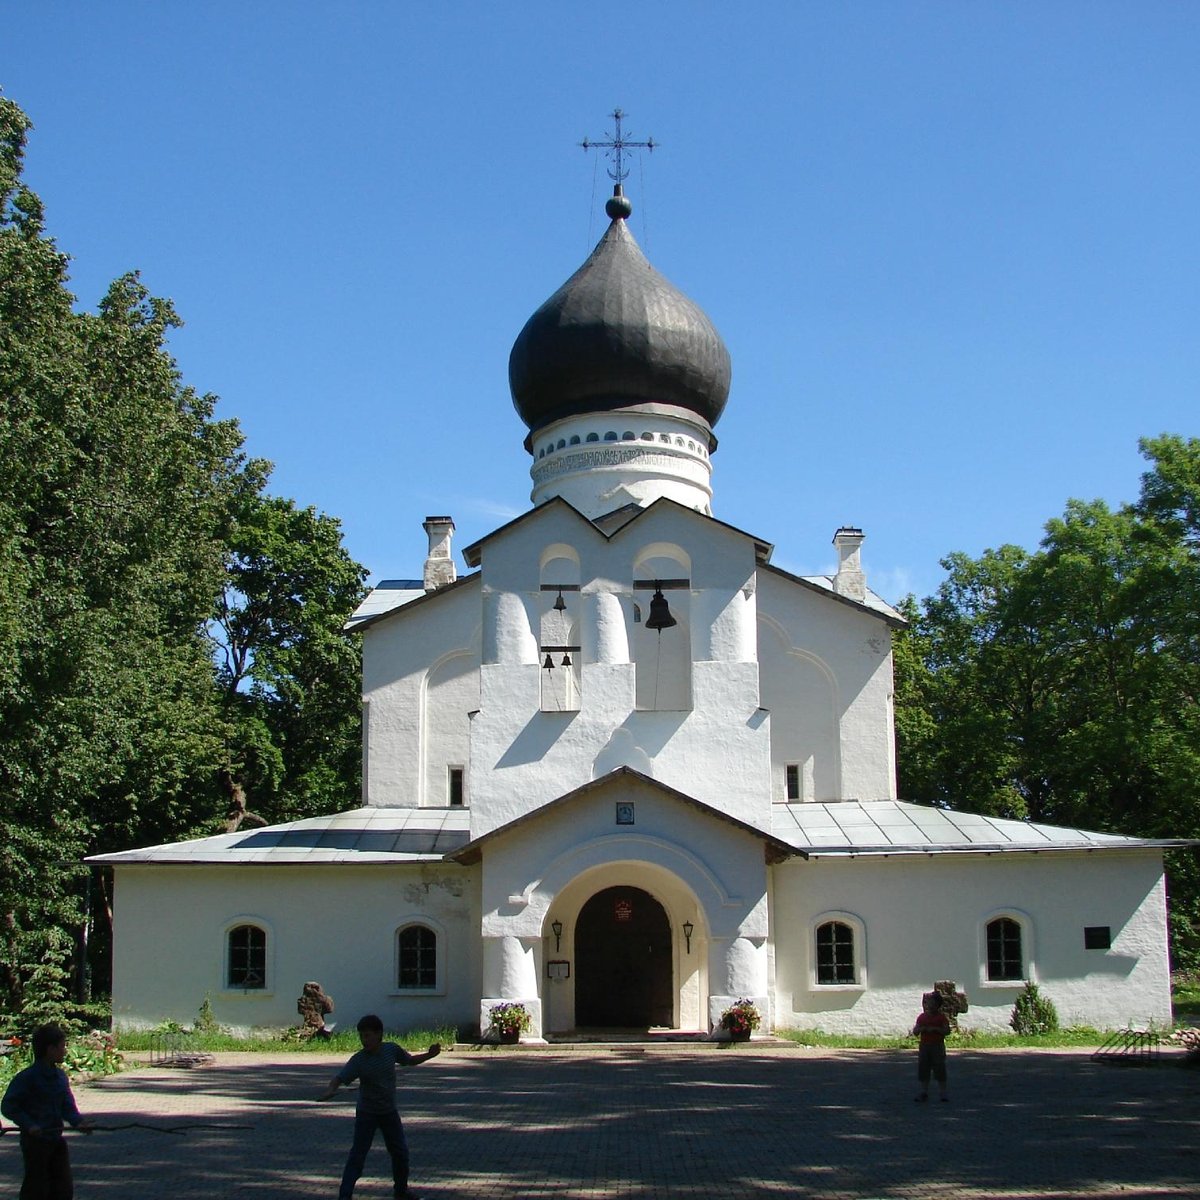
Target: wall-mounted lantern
[[688, 930], [557, 927]]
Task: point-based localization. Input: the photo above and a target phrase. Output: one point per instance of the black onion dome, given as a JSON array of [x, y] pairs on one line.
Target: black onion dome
[[617, 335]]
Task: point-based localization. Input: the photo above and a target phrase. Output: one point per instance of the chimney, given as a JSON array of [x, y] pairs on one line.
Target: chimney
[[849, 580], [439, 566]]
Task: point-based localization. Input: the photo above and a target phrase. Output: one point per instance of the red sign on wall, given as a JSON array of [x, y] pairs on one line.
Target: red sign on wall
[[623, 910]]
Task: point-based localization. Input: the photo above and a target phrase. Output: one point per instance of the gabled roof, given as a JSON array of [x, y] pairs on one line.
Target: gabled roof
[[854, 828], [603, 525], [362, 836], [473, 850]]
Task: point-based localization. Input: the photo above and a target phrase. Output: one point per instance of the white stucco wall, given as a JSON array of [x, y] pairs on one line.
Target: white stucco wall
[[716, 748], [701, 869], [922, 918], [772, 672], [828, 668], [335, 924], [420, 681]]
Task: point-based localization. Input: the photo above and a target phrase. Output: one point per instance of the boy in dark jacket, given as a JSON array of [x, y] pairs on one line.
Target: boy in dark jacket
[[39, 1102]]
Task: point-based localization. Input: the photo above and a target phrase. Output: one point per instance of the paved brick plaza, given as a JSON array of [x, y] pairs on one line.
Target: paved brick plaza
[[679, 1122]]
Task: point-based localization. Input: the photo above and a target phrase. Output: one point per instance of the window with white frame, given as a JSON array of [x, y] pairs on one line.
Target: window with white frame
[[416, 959], [838, 952], [1005, 950], [246, 958]]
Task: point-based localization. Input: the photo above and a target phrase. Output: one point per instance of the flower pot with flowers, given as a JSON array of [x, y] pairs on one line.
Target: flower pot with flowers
[[509, 1020], [740, 1019]]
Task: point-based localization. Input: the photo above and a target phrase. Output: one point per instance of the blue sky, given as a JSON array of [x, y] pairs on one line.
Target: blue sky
[[954, 248]]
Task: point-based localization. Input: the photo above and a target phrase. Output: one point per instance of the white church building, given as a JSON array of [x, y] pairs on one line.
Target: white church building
[[626, 772]]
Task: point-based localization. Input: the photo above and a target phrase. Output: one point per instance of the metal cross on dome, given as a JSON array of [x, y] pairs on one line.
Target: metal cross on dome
[[616, 147]]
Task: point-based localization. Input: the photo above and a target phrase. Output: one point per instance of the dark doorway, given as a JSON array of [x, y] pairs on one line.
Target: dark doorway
[[623, 974]]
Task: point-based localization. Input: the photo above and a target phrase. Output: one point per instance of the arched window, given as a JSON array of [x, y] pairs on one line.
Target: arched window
[[835, 953], [1005, 959], [246, 958], [416, 959]]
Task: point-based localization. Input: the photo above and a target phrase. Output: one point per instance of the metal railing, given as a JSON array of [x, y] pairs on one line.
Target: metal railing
[[1130, 1047], [175, 1049]]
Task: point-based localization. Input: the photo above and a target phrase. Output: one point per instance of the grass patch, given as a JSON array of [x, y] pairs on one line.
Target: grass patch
[[965, 1039], [1185, 998], [1185, 995], [274, 1041]]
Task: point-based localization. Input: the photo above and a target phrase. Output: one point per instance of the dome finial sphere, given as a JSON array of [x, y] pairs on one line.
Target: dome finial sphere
[[618, 207]]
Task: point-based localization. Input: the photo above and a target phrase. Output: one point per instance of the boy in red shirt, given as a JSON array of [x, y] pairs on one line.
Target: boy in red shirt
[[932, 1027]]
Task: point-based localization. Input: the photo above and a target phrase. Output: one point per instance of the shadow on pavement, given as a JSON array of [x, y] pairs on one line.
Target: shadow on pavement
[[644, 1125]]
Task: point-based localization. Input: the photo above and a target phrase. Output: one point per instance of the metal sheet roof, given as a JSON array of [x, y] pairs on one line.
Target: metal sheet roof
[[837, 829], [847, 828], [385, 596], [359, 836]]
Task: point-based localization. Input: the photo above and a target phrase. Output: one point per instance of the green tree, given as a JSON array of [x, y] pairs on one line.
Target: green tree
[[112, 503], [289, 678], [1169, 507], [1061, 686], [129, 516], [981, 692]]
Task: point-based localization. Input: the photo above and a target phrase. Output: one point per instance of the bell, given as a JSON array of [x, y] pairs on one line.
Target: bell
[[566, 662], [548, 665], [560, 605], [660, 615]]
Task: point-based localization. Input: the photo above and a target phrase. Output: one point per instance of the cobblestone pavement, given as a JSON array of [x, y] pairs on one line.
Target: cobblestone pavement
[[643, 1125]]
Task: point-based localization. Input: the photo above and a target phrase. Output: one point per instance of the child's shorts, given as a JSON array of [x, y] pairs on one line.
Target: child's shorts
[[931, 1060]]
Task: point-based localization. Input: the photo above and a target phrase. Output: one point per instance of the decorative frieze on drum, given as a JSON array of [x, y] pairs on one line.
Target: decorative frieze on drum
[[565, 462]]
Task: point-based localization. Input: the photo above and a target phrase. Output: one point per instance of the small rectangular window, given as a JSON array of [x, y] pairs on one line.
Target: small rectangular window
[[1097, 937], [792, 773], [456, 787]]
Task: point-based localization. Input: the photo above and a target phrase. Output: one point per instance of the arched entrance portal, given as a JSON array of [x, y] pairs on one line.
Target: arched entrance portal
[[623, 961]]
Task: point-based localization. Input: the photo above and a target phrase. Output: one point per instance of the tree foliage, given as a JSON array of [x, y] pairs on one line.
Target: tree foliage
[[129, 515], [1064, 685], [288, 678]]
